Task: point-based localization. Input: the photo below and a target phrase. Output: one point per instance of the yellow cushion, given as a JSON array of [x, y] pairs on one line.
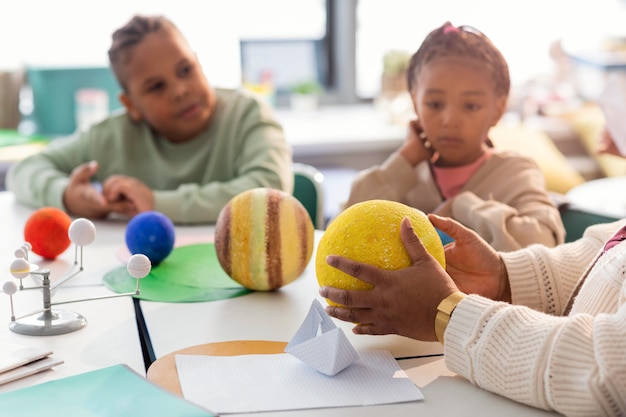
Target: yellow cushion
[[560, 175], [588, 122]]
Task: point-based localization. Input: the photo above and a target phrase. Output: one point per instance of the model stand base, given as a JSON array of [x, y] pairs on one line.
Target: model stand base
[[49, 323]]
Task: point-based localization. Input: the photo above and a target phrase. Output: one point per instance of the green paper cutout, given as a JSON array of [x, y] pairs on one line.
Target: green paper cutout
[[189, 274], [113, 391]]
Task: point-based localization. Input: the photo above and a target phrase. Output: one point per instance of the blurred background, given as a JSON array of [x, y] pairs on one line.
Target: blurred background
[[333, 69]]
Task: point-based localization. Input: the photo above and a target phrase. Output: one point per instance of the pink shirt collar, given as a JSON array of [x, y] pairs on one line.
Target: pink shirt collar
[[452, 179]]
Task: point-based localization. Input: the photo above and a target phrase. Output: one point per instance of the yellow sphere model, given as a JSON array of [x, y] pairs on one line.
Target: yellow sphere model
[[369, 232]]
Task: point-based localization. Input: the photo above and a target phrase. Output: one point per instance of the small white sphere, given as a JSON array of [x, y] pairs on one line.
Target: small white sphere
[[20, 253], [20, 268], [139, 266], [9, 287], [82, 232]]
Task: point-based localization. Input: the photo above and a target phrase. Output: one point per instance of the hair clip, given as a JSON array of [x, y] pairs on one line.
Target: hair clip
[[449, 27]]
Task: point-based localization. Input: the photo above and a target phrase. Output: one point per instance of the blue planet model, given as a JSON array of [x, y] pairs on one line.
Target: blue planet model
[[150, 233]]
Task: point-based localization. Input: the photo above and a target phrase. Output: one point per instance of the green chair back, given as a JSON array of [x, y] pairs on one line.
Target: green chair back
[[308, 190], [576, 220], [53, 89]]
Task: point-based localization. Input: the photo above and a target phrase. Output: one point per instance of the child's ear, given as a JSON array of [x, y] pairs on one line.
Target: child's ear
[[134, 114]]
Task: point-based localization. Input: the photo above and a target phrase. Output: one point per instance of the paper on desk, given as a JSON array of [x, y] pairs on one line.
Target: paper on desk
[[320, 344], [14, 355], [113, 391], [29, 369], [612, 101], [257, 383]]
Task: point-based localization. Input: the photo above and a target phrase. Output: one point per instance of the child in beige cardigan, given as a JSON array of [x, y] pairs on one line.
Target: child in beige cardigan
[[459, 84]]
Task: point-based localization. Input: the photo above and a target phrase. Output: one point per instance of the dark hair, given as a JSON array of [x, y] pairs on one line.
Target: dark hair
[[449, 40], [128, 36]]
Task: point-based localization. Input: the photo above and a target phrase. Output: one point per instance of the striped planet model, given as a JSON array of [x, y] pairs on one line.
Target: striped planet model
[[264, 238]]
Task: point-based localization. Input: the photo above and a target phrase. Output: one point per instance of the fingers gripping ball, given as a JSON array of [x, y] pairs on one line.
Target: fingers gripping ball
[[150, 233], [47, 231], [264, 238], [369, 232]]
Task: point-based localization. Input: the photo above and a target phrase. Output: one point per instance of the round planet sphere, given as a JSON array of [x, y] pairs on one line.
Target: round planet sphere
[[9, 287], [151, 233], [82, 232], [369, 232], [20, 268], [47, 232], [264, 238], [139, 266]]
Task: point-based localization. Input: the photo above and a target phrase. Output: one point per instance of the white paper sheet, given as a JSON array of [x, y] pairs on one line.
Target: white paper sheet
[[612, 101], [29, 369], [256, 383], [14, 355]]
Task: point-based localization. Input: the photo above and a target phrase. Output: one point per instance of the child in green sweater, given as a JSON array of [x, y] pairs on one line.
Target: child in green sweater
[[179, 147]]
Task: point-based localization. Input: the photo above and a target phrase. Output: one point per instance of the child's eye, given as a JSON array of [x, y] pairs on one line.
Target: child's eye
[[155, 87], [434, 105], [472, 106], [185, 70]]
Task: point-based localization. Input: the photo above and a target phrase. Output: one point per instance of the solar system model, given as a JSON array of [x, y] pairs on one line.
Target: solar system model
[[48, 233]]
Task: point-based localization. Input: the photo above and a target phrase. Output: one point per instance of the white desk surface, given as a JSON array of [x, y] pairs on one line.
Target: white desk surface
[[604, 195], [110, 336]]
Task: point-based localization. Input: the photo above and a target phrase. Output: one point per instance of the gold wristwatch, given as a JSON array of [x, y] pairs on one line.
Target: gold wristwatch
[[444, 311]]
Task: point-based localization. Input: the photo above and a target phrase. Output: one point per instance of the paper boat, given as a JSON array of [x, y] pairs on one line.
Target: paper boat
[[320, 344]]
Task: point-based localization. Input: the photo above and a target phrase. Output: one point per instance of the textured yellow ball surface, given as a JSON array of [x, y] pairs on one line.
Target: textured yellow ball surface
[[369, 232], [264, 238]]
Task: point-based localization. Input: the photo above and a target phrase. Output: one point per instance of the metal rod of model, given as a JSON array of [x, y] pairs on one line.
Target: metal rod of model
[[48, 321]]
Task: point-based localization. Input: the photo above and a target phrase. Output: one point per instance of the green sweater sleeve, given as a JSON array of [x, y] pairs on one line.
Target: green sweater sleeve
[[40, 179]]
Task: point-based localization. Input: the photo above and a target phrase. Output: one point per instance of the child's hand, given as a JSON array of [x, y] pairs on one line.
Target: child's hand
[[127, 195], [80, 197], [475, 267], [416, 147]]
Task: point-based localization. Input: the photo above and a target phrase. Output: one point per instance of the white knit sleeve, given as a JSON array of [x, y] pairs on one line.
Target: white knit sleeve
[[543, 278], [573, 364]]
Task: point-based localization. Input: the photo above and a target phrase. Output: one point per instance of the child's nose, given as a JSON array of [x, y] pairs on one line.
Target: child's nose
[[450, 116], [180, 90]]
